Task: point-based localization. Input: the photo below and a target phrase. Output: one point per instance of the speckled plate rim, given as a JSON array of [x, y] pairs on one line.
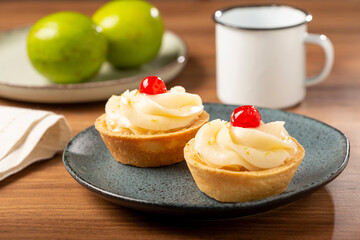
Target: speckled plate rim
[[225, 210]]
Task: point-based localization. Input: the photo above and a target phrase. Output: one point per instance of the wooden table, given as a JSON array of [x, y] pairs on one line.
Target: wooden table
[[45, 202]]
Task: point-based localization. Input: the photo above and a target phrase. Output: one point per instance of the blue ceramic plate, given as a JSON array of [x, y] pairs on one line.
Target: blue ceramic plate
[[172, 190]]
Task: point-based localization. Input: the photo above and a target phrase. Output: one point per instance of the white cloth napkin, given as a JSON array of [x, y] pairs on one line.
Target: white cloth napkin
[[27, 136]]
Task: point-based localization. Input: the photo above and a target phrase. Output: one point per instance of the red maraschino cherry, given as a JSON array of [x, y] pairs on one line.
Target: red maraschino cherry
[[245, 116], [152, 85]]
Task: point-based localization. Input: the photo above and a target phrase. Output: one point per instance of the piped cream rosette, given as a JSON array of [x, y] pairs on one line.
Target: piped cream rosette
[[144, 114], [220, 145], [235, 164], [151, 130]]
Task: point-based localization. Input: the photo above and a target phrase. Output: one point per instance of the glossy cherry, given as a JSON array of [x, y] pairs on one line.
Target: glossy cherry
[[245, 116], [152, 85]]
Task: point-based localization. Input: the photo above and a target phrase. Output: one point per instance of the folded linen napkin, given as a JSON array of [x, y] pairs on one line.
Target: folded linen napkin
[[27, 136]]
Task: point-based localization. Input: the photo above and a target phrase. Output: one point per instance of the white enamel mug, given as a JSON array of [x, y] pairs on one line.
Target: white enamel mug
[[260, 55]]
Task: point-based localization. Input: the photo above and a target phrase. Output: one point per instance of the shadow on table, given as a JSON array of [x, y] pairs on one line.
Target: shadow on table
[[31, 169], [308, 217]]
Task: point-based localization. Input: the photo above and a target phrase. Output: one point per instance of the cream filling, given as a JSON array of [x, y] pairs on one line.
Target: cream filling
[[138, 113], [222, 146]]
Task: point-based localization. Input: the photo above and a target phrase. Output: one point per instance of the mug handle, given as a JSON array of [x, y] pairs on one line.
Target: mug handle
[[326, 44]]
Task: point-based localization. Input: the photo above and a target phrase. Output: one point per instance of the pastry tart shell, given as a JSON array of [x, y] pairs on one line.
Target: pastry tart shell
[[241, 186], [148, 150]]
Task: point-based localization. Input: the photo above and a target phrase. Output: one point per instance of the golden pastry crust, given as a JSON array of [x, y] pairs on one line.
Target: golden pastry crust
[[148, 150], [241, 186]]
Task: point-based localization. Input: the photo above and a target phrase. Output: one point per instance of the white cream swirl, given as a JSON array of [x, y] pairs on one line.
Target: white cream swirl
[[222, 146], [137, 113]]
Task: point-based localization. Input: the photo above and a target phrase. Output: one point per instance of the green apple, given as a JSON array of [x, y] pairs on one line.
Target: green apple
[[66, 47], [134, 31]]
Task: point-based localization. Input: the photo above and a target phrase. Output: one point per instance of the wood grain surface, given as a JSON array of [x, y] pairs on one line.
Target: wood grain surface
[[45, 202]]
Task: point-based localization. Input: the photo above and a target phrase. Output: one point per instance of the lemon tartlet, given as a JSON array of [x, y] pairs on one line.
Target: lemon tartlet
[[150, 127], [238, 164]]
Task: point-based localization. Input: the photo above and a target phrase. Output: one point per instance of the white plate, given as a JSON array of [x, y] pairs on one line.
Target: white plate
[[20, 81]]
